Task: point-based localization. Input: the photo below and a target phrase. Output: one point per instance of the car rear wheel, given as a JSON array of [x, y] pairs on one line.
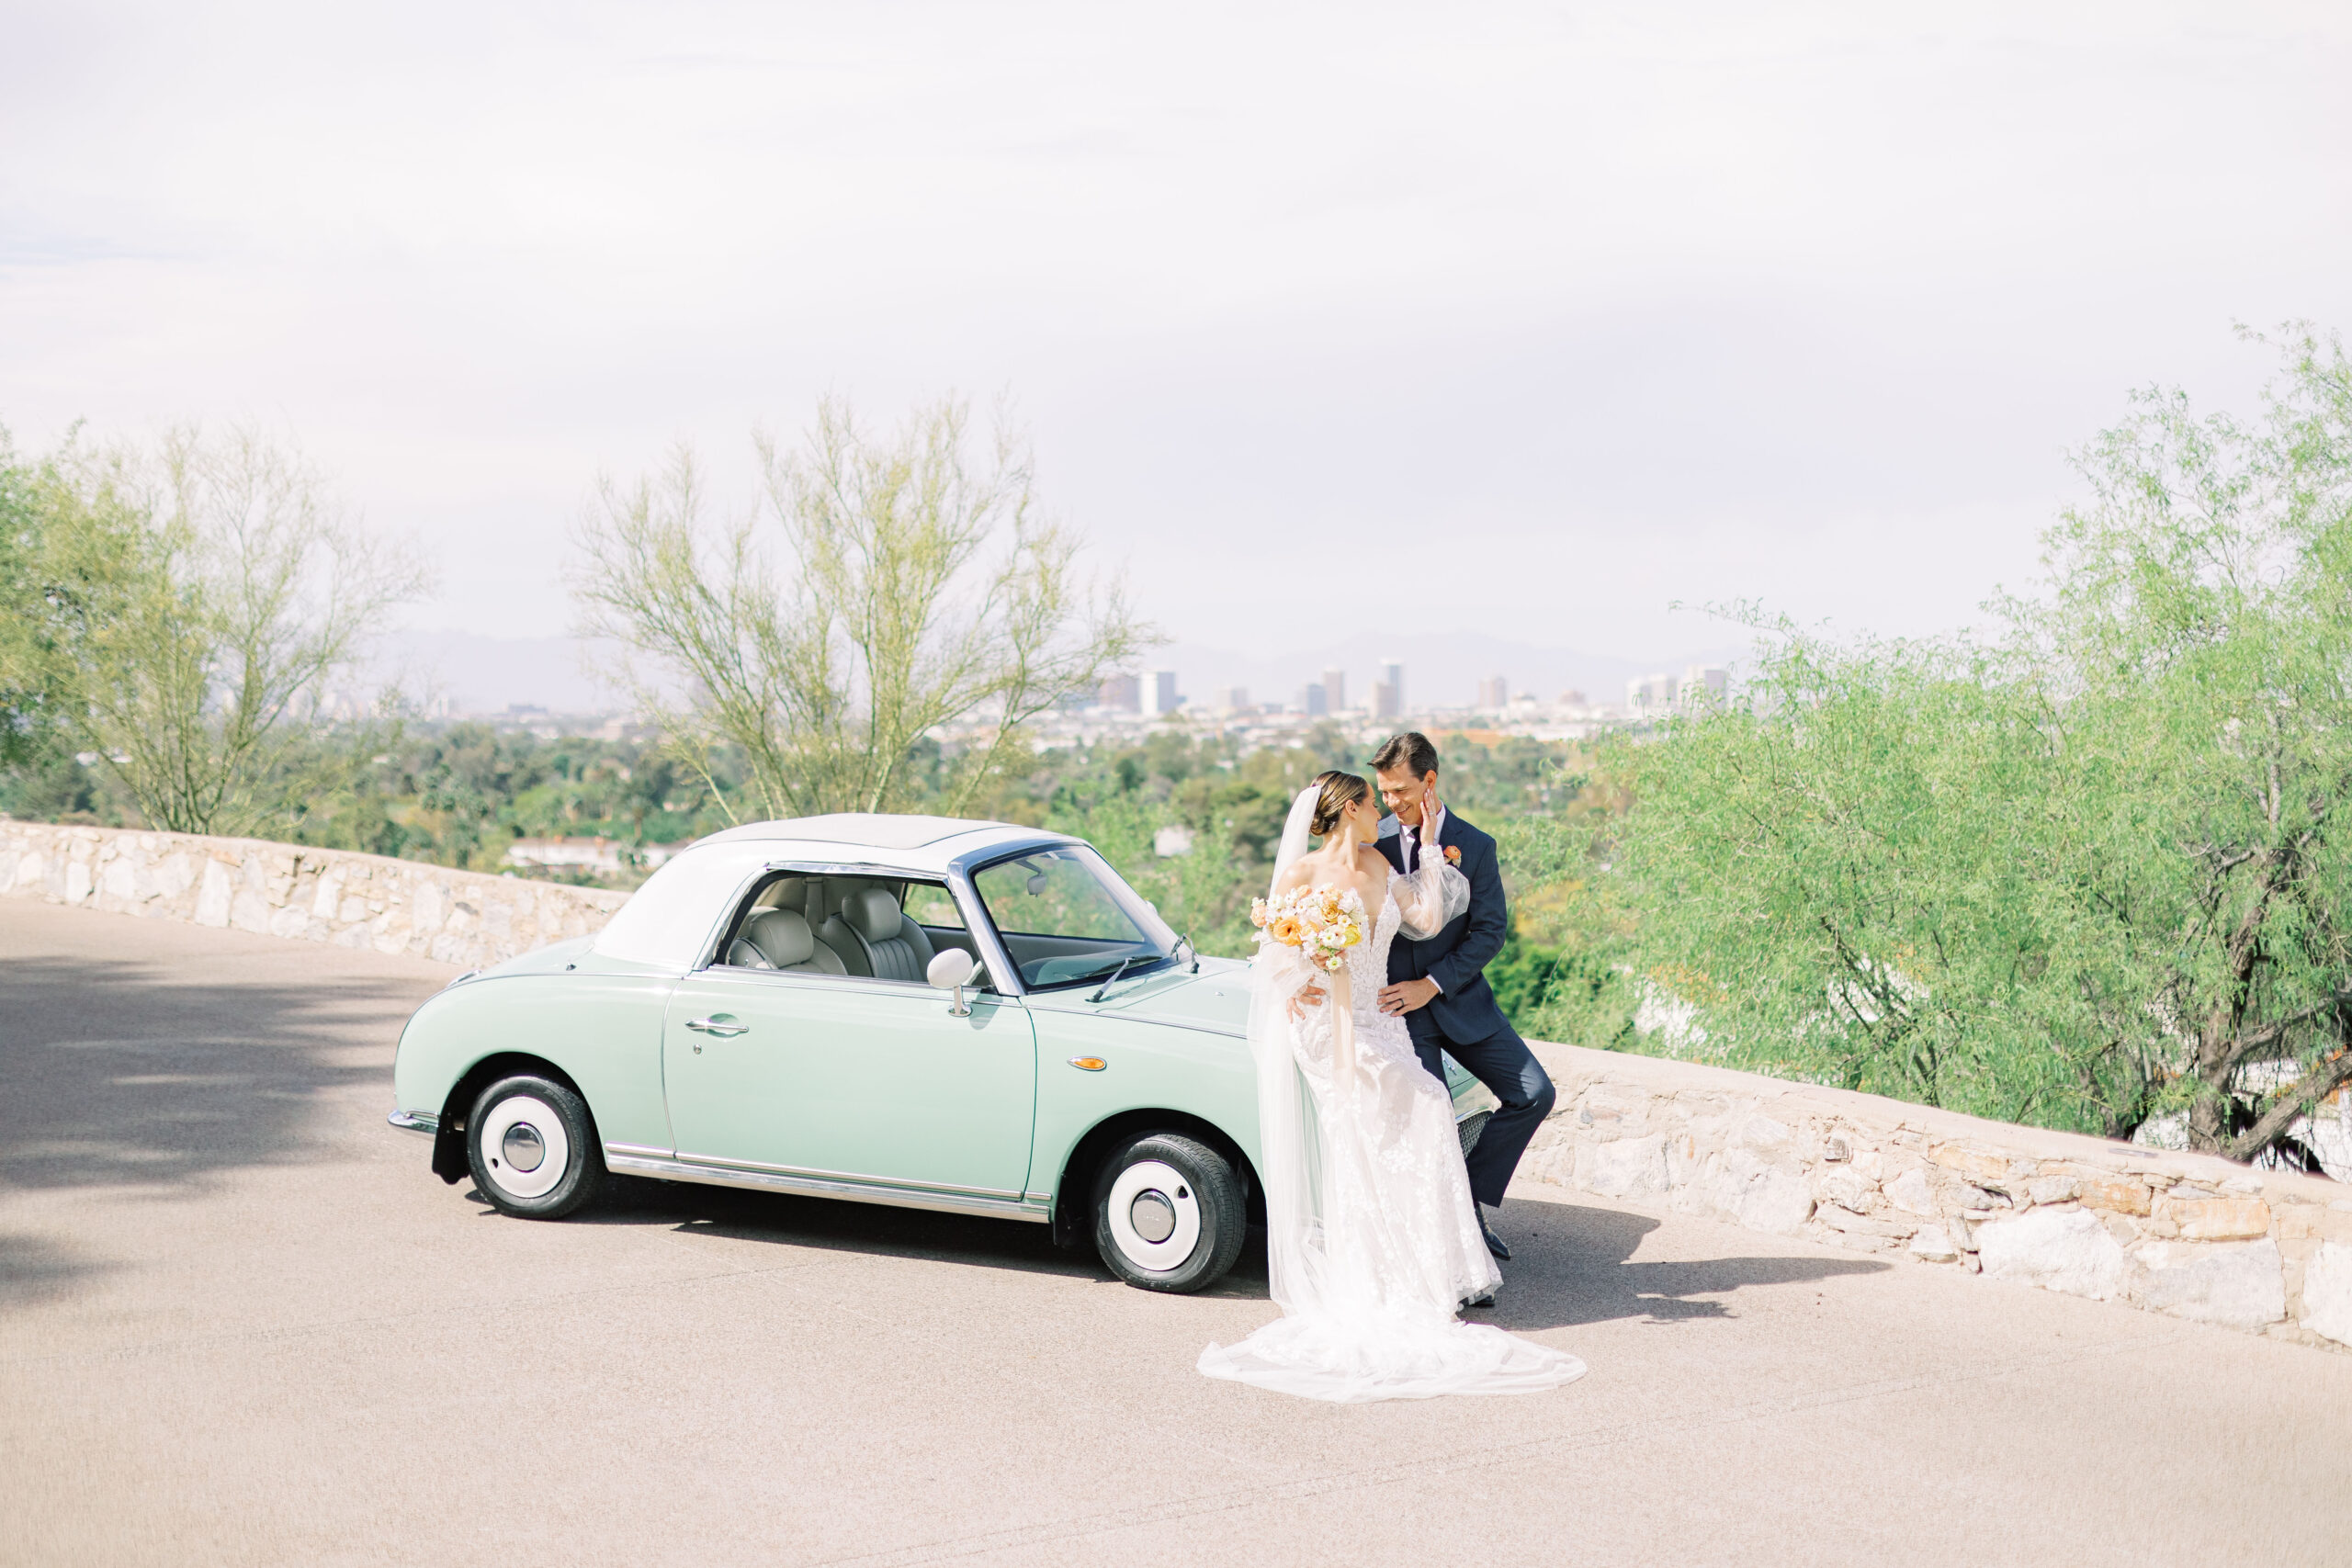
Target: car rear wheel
[[533, 1148], [1168, 1213]]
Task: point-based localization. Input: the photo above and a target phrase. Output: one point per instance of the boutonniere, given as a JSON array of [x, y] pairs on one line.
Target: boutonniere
[[1453, 854]]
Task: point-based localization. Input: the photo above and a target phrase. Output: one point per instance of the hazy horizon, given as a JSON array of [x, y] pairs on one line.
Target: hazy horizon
[[1546, 318]]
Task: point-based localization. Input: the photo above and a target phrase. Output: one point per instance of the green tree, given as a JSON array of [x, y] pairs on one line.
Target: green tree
[[26, 711], [887, 587], [2092, 870], [191, 603]]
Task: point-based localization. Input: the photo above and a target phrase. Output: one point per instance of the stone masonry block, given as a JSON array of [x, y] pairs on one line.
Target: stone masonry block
[[1622, 1167], [2328, 1292], [2116, 1194], [1846, 1187], [2058, 1249], [1761, 1135], [212, 897], [1841, 1219], [1934, 1244], [1984, 1167], [1911, 1194], [2217, 1219], [2237, 1284]]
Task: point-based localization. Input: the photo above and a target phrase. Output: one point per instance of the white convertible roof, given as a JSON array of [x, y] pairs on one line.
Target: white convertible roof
[[871, 830], [666, 920]]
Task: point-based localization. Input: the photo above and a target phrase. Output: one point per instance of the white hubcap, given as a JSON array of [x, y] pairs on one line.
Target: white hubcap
[[1155, 1216], [523, 1144]]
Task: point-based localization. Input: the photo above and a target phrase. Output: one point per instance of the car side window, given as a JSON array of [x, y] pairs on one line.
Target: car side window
[[930, 906]]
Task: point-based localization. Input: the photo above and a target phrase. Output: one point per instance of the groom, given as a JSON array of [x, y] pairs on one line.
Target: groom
[[1439, 985]]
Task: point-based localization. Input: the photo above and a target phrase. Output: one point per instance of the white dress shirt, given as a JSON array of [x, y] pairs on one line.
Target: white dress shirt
[[1413, 837]]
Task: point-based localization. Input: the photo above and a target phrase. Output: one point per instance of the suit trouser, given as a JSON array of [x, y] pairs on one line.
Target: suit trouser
[[1504, 1064]]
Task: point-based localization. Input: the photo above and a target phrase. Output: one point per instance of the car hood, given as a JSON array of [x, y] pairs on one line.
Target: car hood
[[1216, 999]]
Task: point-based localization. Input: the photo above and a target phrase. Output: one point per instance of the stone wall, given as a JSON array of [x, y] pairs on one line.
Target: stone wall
[[2269, 1252], [2194, 1236], [288, 890]]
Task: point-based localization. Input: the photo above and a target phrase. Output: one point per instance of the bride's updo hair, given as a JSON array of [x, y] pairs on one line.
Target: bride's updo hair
[[1339, 791]]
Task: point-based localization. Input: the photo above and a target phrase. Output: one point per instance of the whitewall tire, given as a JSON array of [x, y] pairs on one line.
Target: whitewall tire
[[533, 1148], [1168, 1213]]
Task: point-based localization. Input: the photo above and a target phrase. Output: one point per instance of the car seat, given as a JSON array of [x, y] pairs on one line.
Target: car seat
[[873, 931], [780, 938]]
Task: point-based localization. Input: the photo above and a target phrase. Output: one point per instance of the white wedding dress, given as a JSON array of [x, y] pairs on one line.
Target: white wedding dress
[[1372, 1239]]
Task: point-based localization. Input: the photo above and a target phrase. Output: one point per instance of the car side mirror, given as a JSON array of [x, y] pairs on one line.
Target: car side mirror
[[950, 969]]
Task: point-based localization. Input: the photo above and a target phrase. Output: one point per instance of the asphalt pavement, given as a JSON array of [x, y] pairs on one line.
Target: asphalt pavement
[[241, 1323]]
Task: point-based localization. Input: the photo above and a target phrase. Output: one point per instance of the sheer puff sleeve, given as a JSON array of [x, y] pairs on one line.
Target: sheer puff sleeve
[[1431, 898]]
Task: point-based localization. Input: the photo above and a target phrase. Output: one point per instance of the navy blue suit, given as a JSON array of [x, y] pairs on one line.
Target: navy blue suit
[[1463, 1020]]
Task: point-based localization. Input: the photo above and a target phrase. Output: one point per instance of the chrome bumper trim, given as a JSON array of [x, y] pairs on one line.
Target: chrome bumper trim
[[423, 1121], [813, 1187]]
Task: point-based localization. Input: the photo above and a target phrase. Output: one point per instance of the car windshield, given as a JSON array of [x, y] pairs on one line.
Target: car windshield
[[1067, 918]]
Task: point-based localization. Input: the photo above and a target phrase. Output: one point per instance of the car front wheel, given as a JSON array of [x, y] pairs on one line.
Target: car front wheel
[[533, 1148], [1168, 1213]]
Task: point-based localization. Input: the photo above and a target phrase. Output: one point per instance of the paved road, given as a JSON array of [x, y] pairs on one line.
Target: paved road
[[240, 1323]]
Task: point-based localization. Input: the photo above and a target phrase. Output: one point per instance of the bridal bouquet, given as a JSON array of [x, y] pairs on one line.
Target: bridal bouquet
[[1321, 922]]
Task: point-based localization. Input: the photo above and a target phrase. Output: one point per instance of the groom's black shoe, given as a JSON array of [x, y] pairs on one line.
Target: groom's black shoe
[[1493, 1243], [1487, 1299]]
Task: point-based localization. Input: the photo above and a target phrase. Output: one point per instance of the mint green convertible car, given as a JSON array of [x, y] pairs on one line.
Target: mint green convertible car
[[913, 1010]]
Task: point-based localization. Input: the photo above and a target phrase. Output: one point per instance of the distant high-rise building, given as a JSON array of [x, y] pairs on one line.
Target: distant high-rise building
[[1650, 693], [1229, 699], [1313, 701], [1572, 698], [1392, 675], [1387, 700], [1494, 695], [1335, 689], [1163, 694], [1121, 692], [1704, 684]]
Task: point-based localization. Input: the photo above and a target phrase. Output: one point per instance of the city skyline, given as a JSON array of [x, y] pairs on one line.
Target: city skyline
[[451, 674]]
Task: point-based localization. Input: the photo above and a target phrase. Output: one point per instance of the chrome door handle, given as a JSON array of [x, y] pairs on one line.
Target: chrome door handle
[[718, 1024]]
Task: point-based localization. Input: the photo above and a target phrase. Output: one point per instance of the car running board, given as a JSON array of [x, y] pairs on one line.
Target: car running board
[[665, 1169]]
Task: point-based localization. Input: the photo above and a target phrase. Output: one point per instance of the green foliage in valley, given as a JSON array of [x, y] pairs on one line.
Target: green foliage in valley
[[2091, 870]]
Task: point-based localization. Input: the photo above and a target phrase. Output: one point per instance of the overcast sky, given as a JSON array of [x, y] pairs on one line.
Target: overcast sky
[[1547, 316]]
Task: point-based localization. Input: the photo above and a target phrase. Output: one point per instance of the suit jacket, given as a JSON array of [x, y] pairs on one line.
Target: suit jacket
[[1463, 1010]]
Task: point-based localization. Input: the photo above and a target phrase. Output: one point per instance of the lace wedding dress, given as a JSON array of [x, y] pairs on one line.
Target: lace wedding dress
[[1372, 1239]]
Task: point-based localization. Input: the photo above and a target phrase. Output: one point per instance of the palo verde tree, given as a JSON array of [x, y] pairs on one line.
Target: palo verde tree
[[885, 586], [187, 605], [2092, 870], [26, 714]]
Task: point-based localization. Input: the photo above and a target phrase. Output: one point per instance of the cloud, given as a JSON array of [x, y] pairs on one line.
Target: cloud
[[1596, 309]]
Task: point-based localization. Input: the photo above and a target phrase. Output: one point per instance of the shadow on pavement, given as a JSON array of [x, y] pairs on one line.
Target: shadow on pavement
[[830, 1225], [1573, 1264], [1570, 1264], [125, 1074], [34, 1269]]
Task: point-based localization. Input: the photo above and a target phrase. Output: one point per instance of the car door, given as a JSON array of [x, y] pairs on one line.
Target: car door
[[846, 1079]]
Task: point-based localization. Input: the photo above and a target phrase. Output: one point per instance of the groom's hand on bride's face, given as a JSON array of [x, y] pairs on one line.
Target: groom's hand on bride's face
[[1406, 995]]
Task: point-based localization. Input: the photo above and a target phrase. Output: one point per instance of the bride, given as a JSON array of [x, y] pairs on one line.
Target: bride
[[1372, 1241]]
